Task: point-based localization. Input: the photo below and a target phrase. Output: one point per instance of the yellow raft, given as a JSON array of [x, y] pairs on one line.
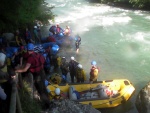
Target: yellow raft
[[103, 94]]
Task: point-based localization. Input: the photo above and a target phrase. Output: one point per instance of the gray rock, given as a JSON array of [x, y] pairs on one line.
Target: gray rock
[[8, 36], [143, 100], [68, 106]]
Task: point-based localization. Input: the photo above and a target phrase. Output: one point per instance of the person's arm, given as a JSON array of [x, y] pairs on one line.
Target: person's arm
[[3, 96], [27, 66], [21, 60], [13, 57]]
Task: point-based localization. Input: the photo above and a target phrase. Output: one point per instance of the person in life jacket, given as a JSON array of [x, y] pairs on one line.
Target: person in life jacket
[[80, 74], [52, 29], [15, 59], [55, 78], [34, 64], [47, 64], [72, 68], [64, 67], [5, 84], [18, 38], [94, 72], [58, 29], [67, 31], [77, 43]]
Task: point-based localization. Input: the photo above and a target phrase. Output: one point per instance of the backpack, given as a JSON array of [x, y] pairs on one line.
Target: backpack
[[39, 57]]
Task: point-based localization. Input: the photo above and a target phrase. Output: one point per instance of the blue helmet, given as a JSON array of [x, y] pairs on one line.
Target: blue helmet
[[93, 63], [30, 46], [15, 50], [61, 35]]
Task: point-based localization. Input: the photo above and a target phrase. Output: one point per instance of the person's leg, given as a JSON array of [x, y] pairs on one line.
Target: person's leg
[[72, 78], [40, 86]]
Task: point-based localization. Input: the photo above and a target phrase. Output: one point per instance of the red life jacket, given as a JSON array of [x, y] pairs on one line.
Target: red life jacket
[[58, 30], [39, 61]]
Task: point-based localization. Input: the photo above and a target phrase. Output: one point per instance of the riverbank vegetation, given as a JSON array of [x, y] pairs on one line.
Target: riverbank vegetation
[[134, 4], [21, 13]]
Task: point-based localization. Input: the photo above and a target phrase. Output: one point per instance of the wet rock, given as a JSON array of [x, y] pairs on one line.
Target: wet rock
[[68, 106], [143, 100]]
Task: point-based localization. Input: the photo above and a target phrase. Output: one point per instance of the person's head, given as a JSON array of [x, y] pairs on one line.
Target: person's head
[[57, 91], [2, 59], [67, 27], [63, 59], [72, 58], [93, 63], [30, 47], [55, 49], [79, 66], [15, 51], [57, 25]]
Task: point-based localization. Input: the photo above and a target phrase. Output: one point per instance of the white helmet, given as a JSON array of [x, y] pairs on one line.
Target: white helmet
[[57, 91], [72, 58], [80, 66], [35, 27], [2, 59]]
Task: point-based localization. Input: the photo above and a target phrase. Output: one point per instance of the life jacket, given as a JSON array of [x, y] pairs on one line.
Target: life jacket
[[51, 39], [93, 73], [55, 78], [39, 62], [67, 31], [80, 73], [58, 30], [52, 29], [58, 61]]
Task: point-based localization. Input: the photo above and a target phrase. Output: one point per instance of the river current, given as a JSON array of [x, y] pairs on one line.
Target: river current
[[117, 39]]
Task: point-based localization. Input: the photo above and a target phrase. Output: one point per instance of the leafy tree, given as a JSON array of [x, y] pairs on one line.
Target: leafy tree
[[140, 3], [18, 13]]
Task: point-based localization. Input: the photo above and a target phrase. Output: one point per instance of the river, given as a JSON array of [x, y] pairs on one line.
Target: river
[[117, 39]]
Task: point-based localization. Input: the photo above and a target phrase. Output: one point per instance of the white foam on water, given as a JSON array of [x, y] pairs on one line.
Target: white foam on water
[[138, 12], [109, 21], [147, 17]]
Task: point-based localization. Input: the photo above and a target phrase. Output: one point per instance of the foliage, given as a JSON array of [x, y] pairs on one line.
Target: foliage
[[18, 13], [28, 105], [140, 3]]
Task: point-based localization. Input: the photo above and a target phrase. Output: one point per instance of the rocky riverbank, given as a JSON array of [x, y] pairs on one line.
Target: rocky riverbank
[[68, 106]]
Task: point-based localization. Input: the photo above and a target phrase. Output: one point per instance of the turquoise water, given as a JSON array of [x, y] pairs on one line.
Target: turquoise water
[[118, 39]]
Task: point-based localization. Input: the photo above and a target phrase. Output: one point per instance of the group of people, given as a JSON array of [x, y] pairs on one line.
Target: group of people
[[26, 60], [76, 71], [67, 33]]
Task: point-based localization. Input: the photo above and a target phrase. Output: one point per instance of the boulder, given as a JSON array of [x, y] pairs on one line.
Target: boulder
[[143, 100]]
